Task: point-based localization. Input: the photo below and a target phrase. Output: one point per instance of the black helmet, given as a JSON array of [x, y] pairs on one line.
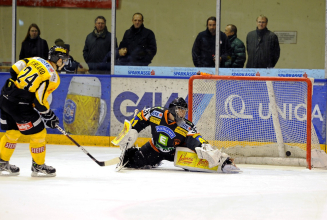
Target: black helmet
[[57, 52], [177, 104]]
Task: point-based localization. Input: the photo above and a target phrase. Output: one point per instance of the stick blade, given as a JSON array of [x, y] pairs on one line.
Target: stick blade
[[112, 161]]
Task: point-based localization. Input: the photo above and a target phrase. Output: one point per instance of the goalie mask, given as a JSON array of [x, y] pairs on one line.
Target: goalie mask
[[56, 53], [178, 108]]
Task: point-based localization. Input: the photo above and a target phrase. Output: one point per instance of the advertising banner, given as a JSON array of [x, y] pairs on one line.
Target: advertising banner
[[82, 104], [128, 94], [62, 3], [190, 71], [99, 104]]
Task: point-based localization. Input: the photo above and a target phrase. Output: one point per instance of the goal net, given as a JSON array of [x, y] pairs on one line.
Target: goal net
[[257, 120]]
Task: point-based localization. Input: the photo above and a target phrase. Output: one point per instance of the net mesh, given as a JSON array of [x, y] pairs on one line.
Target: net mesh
[[250, 118]]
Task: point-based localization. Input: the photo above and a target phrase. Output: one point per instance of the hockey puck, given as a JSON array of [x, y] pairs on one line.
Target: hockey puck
[[288, 153]]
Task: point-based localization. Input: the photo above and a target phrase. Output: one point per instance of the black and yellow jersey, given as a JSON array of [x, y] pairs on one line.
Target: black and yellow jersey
[[38, 76], [166, 134]]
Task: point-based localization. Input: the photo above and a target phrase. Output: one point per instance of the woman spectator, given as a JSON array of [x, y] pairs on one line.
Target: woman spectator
[[33, 45]]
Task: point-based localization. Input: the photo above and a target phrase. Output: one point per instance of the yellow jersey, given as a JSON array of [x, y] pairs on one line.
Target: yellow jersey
[[38, 76]]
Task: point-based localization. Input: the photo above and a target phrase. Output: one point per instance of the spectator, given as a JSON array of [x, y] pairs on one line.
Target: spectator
[[121, 58], [72, 65], [262, 46], [204, 47], [97, 45], [139, 42], [238, 49], [33, 45]]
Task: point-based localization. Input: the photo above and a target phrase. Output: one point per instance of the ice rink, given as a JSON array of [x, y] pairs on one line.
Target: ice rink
[[84, 190]]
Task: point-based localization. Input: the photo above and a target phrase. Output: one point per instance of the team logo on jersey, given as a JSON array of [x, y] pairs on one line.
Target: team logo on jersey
[[157, 114], [201, 140], [163, 139], [38, 150], [181, 131], [146, 113], [185, 126], [155, 120], [10, 145], [166, 130], [177, 142], [25, 127], [53, 77], [69, 111], [162, 144], [46, 64]]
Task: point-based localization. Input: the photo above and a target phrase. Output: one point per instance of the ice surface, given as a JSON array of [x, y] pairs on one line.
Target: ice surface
[[84, 190]]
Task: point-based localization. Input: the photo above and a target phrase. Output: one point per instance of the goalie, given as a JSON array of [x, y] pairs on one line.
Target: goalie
[[170, 130]]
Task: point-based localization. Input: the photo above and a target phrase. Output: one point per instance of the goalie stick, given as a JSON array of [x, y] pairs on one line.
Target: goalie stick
[[100, 163]]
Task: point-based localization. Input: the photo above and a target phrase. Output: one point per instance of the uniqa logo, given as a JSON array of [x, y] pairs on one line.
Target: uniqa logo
[[232, 113], [288, 111]]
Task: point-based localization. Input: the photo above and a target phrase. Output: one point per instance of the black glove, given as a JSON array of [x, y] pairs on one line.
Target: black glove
[[50, 119]]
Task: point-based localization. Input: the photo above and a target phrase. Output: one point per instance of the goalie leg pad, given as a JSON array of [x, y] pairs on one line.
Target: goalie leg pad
[[206, 152], [129, 139], [187, 159], [126, 137]]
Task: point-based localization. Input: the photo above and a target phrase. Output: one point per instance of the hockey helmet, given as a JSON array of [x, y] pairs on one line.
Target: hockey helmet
[[178, 108], [56, 53]]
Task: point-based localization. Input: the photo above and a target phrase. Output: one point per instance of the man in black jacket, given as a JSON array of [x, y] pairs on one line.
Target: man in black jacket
[[262, 46], [204, 47], [238, 49], [97, 45], [140, 43]]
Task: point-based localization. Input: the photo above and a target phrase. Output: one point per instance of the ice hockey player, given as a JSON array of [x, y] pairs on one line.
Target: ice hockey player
[[169, 130], [24, 107]]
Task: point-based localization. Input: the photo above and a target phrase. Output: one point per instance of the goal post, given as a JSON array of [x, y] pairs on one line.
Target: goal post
[[255, 119]]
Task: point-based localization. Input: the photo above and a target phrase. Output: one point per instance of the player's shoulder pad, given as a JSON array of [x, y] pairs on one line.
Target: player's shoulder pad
[[157, 112], [189, 123]]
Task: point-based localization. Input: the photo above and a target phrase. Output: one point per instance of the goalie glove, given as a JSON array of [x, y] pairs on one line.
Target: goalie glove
[[50, 119]]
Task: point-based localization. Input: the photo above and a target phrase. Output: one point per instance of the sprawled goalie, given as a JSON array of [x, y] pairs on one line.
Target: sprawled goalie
[[174, 138]]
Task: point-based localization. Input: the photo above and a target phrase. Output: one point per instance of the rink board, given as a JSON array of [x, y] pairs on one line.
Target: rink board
[[123, 94]]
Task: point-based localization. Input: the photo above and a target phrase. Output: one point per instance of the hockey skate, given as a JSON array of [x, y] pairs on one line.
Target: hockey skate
[[7, 169], [228, 166], [42, 170]]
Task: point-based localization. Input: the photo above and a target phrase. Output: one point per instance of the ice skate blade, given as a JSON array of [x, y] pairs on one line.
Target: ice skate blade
[[231, 169], [38, 174], [7, 173], [120, 166]]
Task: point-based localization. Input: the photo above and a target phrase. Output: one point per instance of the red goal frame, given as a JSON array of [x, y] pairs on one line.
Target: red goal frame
[[260, 78]]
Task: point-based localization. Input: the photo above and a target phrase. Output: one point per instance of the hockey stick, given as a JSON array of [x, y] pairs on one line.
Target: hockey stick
[[100, 163]]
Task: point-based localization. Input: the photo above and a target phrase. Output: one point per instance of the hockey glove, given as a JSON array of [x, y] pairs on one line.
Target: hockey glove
[[50, 119]]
